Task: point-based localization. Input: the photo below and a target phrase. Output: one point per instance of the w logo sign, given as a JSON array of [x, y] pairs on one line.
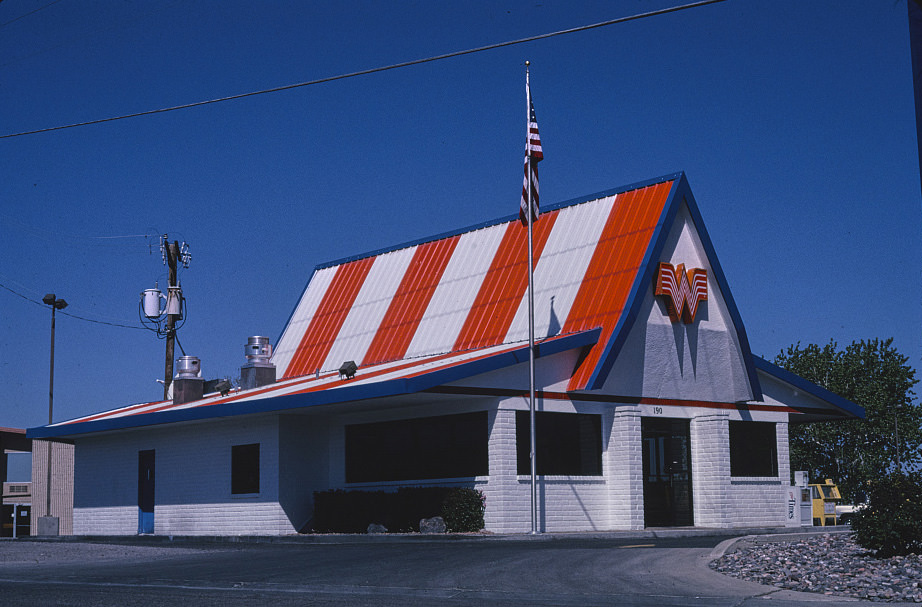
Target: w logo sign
[[682, 290]]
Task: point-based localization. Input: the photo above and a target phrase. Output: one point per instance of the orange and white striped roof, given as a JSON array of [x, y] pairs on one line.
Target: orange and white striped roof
[[432, 312], [467, 290]]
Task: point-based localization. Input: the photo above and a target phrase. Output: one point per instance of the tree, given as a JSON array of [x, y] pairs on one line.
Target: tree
[[876, 376]]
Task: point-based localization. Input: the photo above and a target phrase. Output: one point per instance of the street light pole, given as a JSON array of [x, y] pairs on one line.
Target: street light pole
[[56, 304]]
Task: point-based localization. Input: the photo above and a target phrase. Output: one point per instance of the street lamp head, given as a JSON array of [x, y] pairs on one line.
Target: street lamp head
[[51, 300]]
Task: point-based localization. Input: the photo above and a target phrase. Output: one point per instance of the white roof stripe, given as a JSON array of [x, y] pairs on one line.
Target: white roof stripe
[[567, 253], [370, 306], [453, 297], [303, 314]]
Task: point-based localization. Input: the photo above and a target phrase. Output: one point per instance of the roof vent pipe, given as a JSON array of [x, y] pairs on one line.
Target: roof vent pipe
[[188, 384], [258, 370]]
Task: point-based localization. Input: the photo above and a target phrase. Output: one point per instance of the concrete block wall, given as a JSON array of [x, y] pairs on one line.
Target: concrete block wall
[[304, 465], [564, 503], [760, 501], [623, 466], [62, 485], [756, 502], [710, 448], [506, 511], [192, 481]]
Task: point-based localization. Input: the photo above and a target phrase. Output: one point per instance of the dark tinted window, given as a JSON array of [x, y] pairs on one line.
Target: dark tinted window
[[565, 443], [447, 446], [753, 449], [245, 468]]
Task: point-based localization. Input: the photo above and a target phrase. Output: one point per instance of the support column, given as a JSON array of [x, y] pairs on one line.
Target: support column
[[507, 503], [710, 450], [624, 469]]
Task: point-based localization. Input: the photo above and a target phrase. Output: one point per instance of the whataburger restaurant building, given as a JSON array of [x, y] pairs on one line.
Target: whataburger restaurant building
[[651, 409]]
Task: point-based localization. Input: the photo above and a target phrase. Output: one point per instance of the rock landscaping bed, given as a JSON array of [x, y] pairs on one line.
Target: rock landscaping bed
[[831, 564]]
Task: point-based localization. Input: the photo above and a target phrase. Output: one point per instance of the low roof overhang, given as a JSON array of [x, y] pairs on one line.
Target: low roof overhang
[[380, 381]]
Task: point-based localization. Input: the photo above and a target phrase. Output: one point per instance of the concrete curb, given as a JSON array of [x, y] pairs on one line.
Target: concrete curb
[[360, 538], [723, 547]]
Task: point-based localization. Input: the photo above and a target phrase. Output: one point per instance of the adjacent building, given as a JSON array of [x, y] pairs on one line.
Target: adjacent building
[[409, 367]]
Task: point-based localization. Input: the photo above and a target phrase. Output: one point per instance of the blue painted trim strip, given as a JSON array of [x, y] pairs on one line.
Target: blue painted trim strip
[[334, 396], [681, 192], [809, 387]]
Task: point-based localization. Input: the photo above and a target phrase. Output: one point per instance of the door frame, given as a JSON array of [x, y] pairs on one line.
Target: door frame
[[146, 485], [667, 490]]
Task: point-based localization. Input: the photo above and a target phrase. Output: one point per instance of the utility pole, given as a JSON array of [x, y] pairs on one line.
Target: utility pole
[[171, 252]]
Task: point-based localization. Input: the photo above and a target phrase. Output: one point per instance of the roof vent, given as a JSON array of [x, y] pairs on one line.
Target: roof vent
[[258, 370], [188, 384]]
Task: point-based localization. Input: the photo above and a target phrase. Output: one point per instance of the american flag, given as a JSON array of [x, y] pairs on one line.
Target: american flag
[[533, 154]]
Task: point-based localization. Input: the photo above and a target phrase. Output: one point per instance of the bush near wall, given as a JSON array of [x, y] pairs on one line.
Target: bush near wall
[[892, 523], [339, 511]]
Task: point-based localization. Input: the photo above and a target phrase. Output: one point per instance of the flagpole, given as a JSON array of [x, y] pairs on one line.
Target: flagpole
[[531, 318]]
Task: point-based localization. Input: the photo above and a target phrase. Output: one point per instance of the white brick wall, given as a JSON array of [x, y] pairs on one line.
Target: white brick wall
[[564, 503], [192, 481], [710, 449], [623, 463], [303, 454], [760, 501]]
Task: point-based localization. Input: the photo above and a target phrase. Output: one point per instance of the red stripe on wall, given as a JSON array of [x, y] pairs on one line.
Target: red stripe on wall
[[328, 320], [410, 301], [503, 286], [612, 270]]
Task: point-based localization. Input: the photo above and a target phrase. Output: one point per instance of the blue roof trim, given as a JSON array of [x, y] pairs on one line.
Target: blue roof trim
[[343, 394], [681, 192], [809, 387]]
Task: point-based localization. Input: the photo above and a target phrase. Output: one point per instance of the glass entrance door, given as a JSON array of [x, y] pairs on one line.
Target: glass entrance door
[[667, 496]]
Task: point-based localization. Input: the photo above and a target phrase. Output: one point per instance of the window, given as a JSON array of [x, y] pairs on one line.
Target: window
[[447, 446], [565, 443], [753, 449], [245, 469]]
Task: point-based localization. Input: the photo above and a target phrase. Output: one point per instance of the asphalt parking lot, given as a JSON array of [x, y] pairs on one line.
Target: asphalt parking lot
[[573, 569]]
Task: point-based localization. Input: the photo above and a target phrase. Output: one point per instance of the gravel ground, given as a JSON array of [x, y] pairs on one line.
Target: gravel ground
[[831, 564]]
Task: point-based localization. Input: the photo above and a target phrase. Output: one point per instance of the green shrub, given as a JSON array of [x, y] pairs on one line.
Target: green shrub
[[892, 523], [463, 510]]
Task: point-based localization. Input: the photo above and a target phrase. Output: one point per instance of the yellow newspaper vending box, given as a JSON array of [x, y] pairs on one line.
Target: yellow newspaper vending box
[[825, 496]]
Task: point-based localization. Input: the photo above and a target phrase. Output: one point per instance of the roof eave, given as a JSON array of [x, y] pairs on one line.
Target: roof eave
[[849, 408], [340, 394]]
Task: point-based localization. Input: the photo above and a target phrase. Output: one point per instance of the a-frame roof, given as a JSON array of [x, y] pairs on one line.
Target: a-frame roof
[[434, 311], [468, 290]]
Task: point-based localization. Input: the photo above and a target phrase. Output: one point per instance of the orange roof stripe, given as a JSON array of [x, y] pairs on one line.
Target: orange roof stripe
[[504, 285], [613, 269], [326, 323], [410, 302]]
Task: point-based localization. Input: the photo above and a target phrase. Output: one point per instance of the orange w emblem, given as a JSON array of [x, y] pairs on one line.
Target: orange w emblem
[[683, 290]]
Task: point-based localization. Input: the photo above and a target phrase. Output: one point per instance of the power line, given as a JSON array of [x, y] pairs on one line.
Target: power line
[[93, 320], [4, 24], [374, 70]]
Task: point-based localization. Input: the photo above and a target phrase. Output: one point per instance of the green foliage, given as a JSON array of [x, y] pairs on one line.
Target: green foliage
[[892, 522], [338, 511], [876, 376], [463, 510]]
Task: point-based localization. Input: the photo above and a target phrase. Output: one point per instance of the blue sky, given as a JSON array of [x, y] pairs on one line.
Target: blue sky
[[794, 122]]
